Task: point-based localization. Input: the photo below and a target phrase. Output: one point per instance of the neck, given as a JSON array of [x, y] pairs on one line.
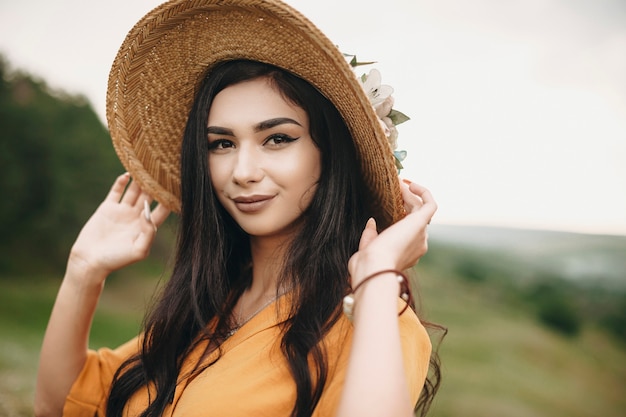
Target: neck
[[268, 254], [267, 259]]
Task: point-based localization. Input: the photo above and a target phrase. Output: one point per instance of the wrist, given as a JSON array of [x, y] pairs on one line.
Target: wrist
[[84, 274], [365, 263], [363, 269], [380, 287]]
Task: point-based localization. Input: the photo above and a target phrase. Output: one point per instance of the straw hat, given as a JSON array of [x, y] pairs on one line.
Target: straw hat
[[160, 63]]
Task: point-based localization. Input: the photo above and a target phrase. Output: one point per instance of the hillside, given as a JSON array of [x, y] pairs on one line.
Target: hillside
[[529, 334], [500, 360], [588, 259]]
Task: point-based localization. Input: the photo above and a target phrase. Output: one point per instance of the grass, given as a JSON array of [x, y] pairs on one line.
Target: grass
[[498, 360], [24, 310]]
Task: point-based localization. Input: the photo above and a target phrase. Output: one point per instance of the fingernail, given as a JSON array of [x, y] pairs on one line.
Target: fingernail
[[146, 211], [407, 182]]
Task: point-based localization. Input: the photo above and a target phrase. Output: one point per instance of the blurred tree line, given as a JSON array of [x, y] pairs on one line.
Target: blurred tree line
[[57, 164], [562, 305]]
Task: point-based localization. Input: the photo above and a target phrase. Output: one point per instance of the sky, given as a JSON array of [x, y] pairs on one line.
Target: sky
[[518, 108]]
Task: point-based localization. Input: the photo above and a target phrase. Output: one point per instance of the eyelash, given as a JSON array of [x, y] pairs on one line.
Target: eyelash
[[216, 144], [281, 138]]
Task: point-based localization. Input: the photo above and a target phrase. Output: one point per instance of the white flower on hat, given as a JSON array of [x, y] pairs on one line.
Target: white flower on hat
[[376, 92], [383, 109], [380, 96]]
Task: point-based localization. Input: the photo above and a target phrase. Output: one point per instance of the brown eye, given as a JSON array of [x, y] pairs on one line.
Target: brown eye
[[220, 144], [280, 139]]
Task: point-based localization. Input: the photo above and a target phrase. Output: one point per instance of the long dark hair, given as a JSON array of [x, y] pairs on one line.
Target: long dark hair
[[212, 266]]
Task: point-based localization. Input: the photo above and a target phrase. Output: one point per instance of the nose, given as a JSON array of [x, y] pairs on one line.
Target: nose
[[248, 165]]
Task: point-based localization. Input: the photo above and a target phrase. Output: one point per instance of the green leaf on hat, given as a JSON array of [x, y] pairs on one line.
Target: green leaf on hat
[[397, 117], [354, 62]]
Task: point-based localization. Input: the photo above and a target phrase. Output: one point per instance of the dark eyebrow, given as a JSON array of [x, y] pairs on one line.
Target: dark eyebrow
[[216, 130], [268, 124], [264, 125]]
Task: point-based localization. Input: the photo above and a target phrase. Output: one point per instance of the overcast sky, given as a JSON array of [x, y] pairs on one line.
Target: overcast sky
[[518, 107]]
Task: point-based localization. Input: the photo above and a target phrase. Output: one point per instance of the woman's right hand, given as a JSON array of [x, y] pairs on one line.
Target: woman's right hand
[[117, 234]]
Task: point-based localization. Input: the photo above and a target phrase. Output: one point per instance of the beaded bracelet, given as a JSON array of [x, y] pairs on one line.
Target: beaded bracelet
[[405, 291]]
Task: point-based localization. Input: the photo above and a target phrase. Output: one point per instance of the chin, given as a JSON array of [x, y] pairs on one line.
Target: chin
[[266, 230]]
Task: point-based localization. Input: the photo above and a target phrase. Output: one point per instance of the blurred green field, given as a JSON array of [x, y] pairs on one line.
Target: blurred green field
[[498, 359], [24, 309]]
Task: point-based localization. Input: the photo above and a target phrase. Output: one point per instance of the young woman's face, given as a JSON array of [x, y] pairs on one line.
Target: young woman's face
[[264, 165]]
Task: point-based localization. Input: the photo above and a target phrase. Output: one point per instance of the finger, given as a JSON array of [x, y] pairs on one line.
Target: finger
[[159, 214], [118, 187], [147, 213], [426, 212], [417, 189], [369, 233], [144, 197], [420, 191], [412, 201], [430, 205], [423, 213], [148, 228], [424, 195], [133, 191]]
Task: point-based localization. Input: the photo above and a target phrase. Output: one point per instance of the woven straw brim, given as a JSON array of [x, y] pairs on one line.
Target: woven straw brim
[[158, 67]]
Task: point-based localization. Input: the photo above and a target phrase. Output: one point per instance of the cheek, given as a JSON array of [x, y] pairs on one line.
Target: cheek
[[300, 171], [306, 166]]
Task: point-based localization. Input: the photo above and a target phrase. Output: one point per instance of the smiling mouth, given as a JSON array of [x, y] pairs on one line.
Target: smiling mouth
[[253, 203]]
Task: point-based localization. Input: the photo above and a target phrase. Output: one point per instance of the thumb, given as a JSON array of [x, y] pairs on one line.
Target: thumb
[[369, 233]]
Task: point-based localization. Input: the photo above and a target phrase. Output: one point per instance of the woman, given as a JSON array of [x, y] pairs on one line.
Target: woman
[[284, 173]]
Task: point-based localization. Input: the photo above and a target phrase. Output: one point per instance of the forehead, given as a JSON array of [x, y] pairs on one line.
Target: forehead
[[250, 102]]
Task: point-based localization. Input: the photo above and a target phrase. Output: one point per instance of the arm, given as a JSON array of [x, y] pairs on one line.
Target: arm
[[119, 233], [375, 383]]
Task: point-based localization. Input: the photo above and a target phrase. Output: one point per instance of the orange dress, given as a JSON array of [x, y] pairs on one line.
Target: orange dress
[[251, 378]]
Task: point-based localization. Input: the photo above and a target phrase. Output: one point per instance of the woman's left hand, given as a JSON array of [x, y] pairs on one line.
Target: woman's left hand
[[401, 245], [379, 344]]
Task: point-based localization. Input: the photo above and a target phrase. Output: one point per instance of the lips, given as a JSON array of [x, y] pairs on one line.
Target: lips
[[253, 203]]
